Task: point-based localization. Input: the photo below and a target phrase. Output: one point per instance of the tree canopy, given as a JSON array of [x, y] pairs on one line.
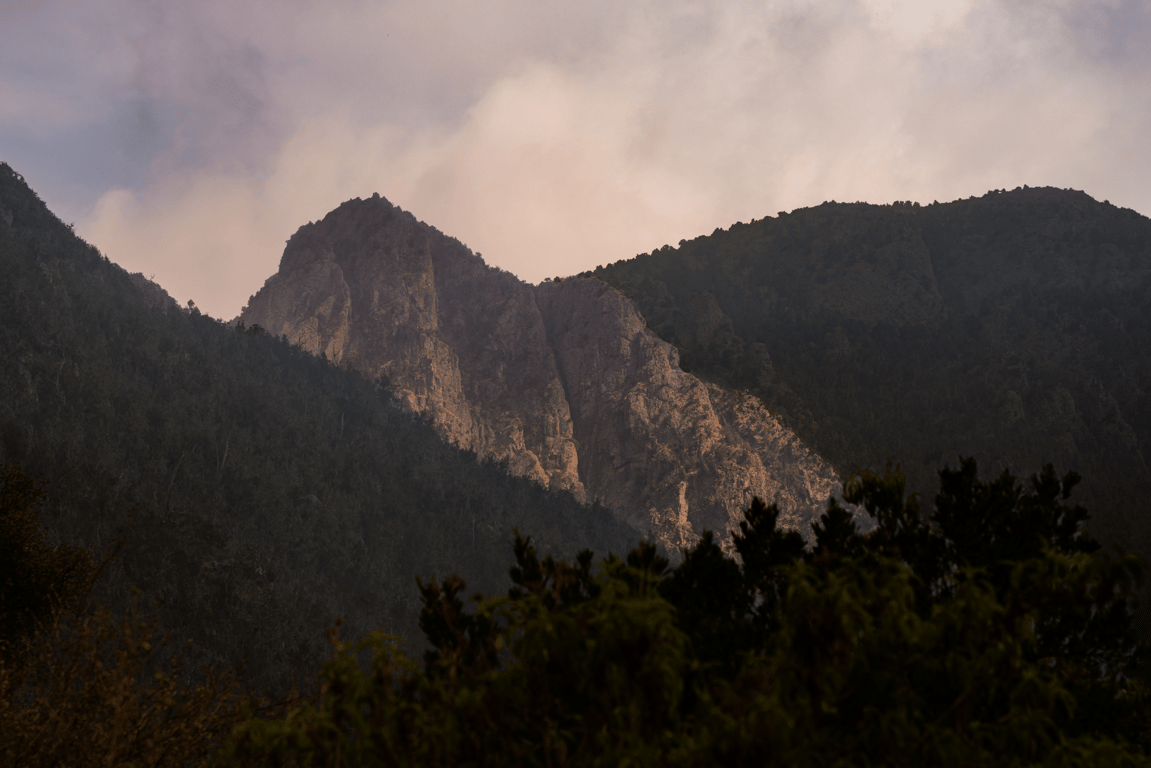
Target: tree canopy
[[997, 634]]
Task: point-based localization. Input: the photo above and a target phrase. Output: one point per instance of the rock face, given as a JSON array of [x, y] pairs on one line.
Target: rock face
[[671, 454], [563, 381]]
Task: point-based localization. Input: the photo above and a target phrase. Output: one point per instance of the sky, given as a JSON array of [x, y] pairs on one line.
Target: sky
[[188, 141]]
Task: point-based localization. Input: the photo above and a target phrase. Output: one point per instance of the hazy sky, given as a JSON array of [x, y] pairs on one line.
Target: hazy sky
[[189, 140]]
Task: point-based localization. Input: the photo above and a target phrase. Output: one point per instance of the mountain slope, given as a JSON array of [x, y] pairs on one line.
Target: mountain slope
[[270, 491], [1015, 327]]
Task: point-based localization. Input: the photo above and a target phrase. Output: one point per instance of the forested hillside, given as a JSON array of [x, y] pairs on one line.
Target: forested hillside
[[270, 492], [1015, 327]]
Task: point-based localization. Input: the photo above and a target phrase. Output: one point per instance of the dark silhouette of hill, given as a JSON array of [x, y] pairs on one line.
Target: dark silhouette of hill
[[1015, 327], [270, 491]]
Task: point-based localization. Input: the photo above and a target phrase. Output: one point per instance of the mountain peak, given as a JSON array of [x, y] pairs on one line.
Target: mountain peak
[[562, 381]]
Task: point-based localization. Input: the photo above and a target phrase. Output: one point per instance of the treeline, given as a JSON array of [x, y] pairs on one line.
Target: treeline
[[268, 491], [996, 635]]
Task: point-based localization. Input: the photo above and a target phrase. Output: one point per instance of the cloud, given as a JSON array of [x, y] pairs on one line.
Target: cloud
[[913, 23], [554, 137]]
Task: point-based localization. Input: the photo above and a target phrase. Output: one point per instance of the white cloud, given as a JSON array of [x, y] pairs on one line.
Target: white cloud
[[916, 22]]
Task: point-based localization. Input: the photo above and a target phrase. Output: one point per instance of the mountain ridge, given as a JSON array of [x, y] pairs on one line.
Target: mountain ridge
[[1014, 327]]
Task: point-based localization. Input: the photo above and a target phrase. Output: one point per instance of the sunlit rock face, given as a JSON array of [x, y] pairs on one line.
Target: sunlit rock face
[[563, 381], [373, 289], [673, 455]]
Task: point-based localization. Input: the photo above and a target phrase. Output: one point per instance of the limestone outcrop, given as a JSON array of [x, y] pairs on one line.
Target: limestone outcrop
[[563, 381]]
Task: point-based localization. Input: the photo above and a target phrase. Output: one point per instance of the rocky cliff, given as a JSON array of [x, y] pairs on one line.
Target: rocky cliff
[[1014, 328], [563, 381], [670, 453]]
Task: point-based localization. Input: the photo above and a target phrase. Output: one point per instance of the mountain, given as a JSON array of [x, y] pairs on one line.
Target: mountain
[[563, 381], [1015, 328], [263, 491], [276, 479]]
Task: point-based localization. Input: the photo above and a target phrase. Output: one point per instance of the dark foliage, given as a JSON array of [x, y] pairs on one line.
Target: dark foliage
[[36, 579], [81, 687], [911, 645]]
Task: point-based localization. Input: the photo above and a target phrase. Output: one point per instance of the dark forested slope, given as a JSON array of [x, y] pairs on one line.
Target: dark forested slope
[[1015, 327], [272, 491]]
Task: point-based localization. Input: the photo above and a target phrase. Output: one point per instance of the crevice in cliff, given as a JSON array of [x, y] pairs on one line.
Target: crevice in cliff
[[549, 335]]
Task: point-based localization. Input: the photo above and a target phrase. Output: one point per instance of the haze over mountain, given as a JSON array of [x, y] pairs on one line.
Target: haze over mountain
[[189, 140]]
